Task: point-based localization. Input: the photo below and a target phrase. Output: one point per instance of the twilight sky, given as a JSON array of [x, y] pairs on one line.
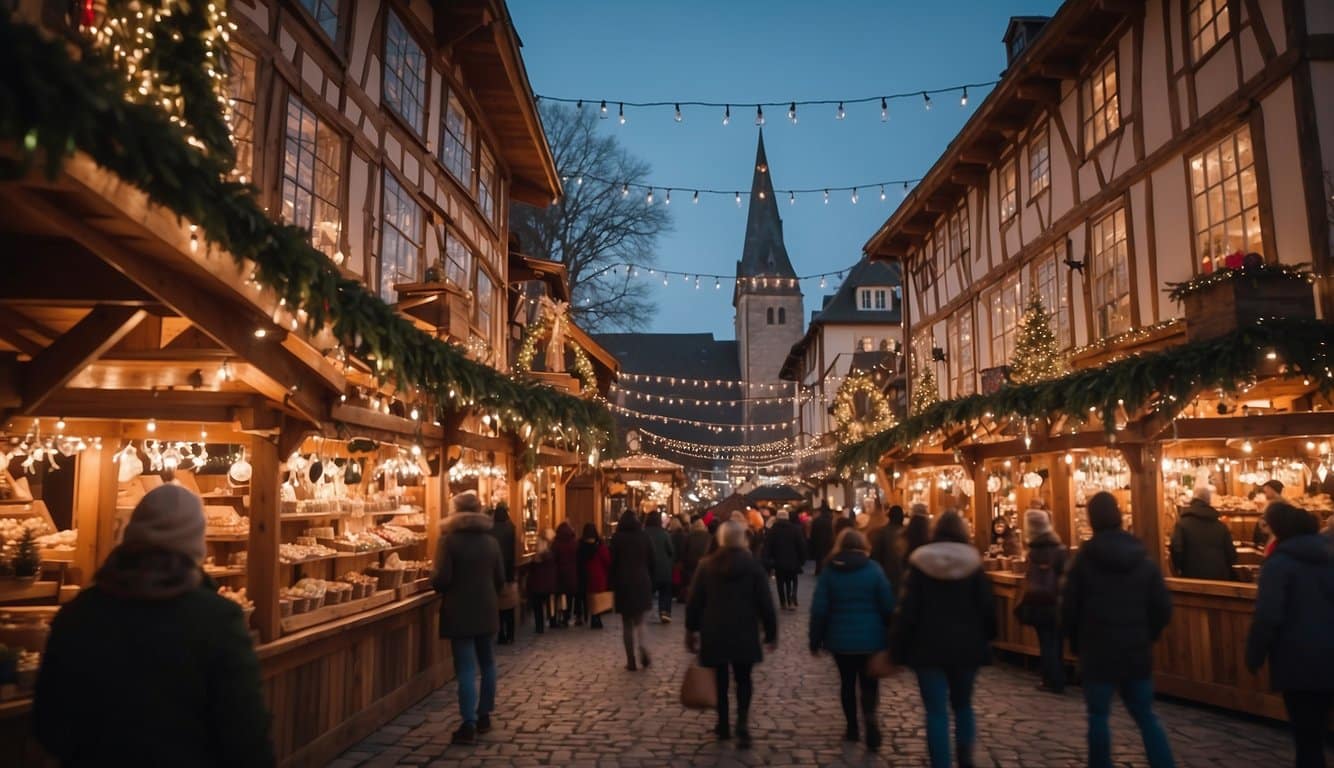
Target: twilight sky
[[769, 50]]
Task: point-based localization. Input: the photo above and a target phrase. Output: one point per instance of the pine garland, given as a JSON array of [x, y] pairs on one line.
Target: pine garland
[[535, 332], [1035, 356], [1254, 273], [53, 104], [1304, 349], [848, 426], [925, 391]]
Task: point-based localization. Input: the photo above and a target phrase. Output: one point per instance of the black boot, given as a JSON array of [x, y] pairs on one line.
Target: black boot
[[852, 734], [872, 735], [643, 658], [742, 733], [722, 730], [465, 735]]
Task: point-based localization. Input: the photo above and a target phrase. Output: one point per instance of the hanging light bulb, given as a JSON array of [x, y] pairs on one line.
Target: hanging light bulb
[[1246, 447], [602, 111], [695, 197], [697, 282], [963, 100], [854, 195], [826, 197], [727, 114], [822, 281], [791, 198], [649, 197], [905, 189], [792, 112], [842, 113], [882, 193], [926, 100], [717, 284], [579, 180], [151, 426], [738, 199], [759, 115], [579, 105], [620, 113], [625, 190], [668, 199], [678, 115]]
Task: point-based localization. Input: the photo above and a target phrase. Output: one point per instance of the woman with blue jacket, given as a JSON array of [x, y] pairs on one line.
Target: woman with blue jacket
[[849, 618]]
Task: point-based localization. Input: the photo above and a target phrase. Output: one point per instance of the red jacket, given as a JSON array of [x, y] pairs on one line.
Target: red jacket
[[598, 570]]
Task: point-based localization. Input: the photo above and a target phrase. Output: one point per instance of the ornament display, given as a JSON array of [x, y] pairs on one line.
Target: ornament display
[[861, 408]]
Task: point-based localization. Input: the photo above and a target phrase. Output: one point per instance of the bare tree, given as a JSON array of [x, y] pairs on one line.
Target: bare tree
[[597, 226]]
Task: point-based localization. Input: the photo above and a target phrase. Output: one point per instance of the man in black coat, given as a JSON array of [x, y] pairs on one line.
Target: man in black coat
[[822, 535], [502, 530], [632, 584], [785, 553], [887, 547], [1115, 606], [1202, 545], [470, 575]]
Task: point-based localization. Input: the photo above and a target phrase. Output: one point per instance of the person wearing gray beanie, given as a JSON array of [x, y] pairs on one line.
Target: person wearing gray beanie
[[150, 665]]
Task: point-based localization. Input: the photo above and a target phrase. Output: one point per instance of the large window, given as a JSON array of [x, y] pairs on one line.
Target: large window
[[1009, 197], [404, 73], [1004, 305], [1111, 275], [401, 240], [486, 186], [456, 142], [312, 165], [1047, 281], [1039, 163], [325, 13], [241, 87], [963, 376], [959, 232], [1227, 206], [485, 301], [1102, 108], [458, 261], [1208, 23]]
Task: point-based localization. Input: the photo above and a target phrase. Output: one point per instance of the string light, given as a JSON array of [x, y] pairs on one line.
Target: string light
[[714, 426], [727, 114], [841, 113], [826, 197], [926, 100], [791, 198], [884, 110], [759, 115], [602, 111], [673, 399], [694, 198], [738, 199], [792, 112], [854, 195], [963, 100], [620, 114], [680, 117], [696, 192]]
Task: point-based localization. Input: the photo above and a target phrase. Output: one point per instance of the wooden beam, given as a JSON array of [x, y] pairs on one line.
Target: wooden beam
[[9, 381], [1040, 90], [59, 272], [262, 574], [132, 405], [1059, 69], [980, 154], [396, 425], [92, 336], [1262, 426], [12, 322]]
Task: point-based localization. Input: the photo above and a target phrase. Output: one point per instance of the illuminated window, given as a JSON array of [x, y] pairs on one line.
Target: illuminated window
[[456, 142], [959, 329], [485, 304], [458, 260], [325, 13], [1047, 281], [1102, 108], [312, 165], [1227, 206], [1004, 305], [1009, 200], [402, 238], [1208, 23], [486, 186], [404, 73], [241, 84], [1111, 275], [1039, 163]]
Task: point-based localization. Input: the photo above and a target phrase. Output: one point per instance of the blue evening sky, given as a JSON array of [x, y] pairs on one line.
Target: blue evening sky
[[752, 50]]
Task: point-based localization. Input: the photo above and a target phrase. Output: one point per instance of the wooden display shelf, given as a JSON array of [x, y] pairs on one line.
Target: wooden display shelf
[[381, 550], [228, 572], [227, 537], [14, 591], [316, 559], [57, 556], [7, 507], [312, 515], [413, 587], [331, 612]]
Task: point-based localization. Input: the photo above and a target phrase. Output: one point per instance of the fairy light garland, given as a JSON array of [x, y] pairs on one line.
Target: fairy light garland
[[583, 366], [650, 397], [713, 426], [754, 452], [648, 378], [849, 425], [652, 193]]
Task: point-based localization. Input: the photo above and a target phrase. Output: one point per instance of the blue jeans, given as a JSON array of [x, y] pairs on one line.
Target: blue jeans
[[1137, 695], [469, 654], [944, 689]]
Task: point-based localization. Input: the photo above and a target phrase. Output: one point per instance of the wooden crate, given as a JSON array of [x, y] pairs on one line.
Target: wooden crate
[[1239, 302]]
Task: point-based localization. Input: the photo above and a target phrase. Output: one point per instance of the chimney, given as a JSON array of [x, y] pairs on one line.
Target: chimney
[[1021, 31]]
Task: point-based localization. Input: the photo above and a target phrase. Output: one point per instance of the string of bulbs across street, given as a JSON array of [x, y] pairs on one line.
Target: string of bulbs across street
[[639, 270], [650, 191], [712, 426]]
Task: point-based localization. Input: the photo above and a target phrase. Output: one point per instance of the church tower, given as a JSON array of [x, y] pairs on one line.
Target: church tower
[[769, 309]]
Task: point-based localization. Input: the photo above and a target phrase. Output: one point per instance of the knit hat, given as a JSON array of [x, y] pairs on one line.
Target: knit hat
[[1104, 514], [168, 517], [467, 503], [1037, 523], [1204, 493]]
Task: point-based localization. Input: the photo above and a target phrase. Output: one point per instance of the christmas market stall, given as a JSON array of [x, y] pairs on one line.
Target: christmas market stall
[[641, 483]]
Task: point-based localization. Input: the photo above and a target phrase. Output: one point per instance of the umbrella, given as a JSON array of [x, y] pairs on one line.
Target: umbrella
[[774, 493]]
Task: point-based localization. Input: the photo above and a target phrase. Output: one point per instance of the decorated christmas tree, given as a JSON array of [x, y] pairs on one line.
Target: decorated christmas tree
[[1035, 355], [27, 561], [925, 393]]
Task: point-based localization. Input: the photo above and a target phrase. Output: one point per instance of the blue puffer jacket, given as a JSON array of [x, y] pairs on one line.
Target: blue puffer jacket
[[1293, 625], [852, 606]]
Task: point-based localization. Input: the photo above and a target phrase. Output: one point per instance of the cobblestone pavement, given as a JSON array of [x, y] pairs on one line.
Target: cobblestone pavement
[[565, 699]]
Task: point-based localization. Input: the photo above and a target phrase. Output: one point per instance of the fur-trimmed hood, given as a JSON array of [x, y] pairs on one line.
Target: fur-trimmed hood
[[946, 560], [468, 521]]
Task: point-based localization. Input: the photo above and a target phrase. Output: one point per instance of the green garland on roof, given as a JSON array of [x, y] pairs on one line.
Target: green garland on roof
[[1252, 273], [54, 103], [1154, 380]]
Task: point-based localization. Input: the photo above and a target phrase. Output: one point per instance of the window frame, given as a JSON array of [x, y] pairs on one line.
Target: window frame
[[488, 197], [1005, 333], [458, 272], [782, 315], [1220, 22], [479, 305], [1052, 257], [1216, 192], [1008, 182], [449, 98], [769, 315], [418, 127], [312, 10], [1042, 137], [310, 186], [1088, 111], [957, 346], [386, 225], [1100, 268], [244, 111]]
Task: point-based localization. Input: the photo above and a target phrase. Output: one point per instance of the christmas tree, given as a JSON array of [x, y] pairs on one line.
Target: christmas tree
[[28, 559], [925, 393], [1035, 355]]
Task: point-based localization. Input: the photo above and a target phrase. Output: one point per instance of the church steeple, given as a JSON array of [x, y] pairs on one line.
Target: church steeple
[[764, 254]]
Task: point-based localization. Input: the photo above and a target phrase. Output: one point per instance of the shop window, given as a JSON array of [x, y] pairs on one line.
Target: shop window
[[1111, 275], [1208, 24], [959, 330], [241, 92], [1009, 198], [1004, 305], [1101, 105], [325, 13], [404, 73], [312, 165], [1226, 200], [1047, 281], [456, 141], [1039, 163], [401, 240], [486, 186], [458, 261]]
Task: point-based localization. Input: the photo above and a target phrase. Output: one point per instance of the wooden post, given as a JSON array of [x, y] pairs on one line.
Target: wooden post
[[1062, 500], [95, 484], [262, 560], [980, 501], [104, 528], [1146, 496]]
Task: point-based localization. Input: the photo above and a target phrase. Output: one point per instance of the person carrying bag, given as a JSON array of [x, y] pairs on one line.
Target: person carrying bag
[[1037, 605]]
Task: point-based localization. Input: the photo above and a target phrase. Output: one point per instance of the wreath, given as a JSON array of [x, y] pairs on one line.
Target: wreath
[[583, 367], [850, 425]]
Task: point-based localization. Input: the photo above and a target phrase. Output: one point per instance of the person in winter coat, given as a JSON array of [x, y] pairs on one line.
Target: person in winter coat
[[785, 553], [543, 582], [917, 532], [149, 665], [943, 629], [1041, 592], [632, 572], [469, 577], [594, 570], [887, 546], [1293, 626], [663, 558], [850, 616], [822, 536], [729, 604], [566, 549], [1113, 607], [502, 530], [696, 548], [678, 529], [1202, 545]]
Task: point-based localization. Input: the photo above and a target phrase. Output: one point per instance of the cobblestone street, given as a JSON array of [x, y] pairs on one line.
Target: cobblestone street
[[565, 699]]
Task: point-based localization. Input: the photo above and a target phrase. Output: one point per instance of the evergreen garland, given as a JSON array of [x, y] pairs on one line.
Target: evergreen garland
[[1035, 356], [849, 426], [925, 392], [1252, 272], [52, 104]]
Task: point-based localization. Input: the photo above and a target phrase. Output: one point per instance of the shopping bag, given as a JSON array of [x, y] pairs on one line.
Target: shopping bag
[[880, 665], [600, 603], [509, 597], [699, 689]]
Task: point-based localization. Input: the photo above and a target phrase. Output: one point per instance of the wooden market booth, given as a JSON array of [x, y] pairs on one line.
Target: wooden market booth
[[642, 483]]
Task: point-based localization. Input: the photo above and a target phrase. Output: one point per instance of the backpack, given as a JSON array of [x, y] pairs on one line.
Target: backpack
[[1041, 592]]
